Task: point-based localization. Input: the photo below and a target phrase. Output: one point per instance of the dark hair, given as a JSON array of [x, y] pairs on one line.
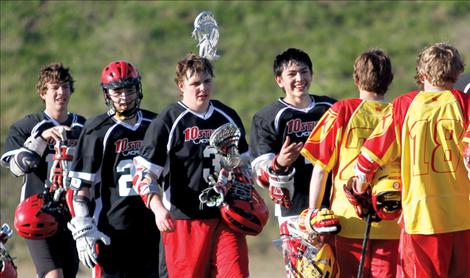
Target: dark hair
[[194, 64], [53, 73], [373, 71], [291, 55]]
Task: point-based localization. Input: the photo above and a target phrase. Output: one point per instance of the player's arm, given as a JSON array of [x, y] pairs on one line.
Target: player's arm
[[317, 186], [466, 156], [145, 182]]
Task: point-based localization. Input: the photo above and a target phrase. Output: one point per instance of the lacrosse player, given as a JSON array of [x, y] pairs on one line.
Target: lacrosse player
[[279, 131], [428, 129], [29, 151], [333, 146], [176, 150], [114, 231]]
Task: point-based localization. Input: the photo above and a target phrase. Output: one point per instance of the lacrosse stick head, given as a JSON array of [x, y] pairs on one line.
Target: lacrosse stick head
[[206, 32], [304, 255], [225, 140]]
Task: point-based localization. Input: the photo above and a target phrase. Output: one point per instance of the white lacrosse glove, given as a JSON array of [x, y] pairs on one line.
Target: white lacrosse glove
[[86, 235]]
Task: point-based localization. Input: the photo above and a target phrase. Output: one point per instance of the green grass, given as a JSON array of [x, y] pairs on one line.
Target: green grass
[[153, 35]]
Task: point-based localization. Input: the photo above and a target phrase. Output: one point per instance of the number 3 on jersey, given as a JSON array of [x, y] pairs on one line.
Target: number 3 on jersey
[[126, 171]]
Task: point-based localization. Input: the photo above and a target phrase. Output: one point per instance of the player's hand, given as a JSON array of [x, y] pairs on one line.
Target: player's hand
[[289, 153], [362, 202], [163, 218], [322, 221], [86, 235], [56, 132]]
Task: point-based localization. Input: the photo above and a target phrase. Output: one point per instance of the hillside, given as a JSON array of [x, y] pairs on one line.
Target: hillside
[[153, 35]]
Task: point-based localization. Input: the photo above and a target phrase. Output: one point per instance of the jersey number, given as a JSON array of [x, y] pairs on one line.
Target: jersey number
[[126, 171], [439, 159]]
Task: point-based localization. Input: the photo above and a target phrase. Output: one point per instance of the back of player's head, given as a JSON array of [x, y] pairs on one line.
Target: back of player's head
[[291, 55], [440, 63], [192, 64], [373, 71], [54, 73]]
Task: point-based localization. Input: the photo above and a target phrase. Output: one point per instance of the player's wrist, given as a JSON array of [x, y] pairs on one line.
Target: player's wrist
[[277, 167]]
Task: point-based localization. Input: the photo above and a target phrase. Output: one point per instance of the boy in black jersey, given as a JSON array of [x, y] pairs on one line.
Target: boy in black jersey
[[101, 174], [279, 131], [29, 151], [176, 150]]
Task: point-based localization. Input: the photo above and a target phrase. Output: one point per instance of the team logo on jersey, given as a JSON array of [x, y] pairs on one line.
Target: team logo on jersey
[[126, 147], [300, 128], [197, 136], [71, 143]]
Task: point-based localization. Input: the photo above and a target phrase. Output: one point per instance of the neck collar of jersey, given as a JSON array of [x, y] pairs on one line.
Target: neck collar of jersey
[[306, 109], [202, 115]]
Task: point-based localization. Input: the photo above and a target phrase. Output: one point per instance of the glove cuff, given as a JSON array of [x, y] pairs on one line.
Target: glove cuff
[[36, 144], [81, 226]]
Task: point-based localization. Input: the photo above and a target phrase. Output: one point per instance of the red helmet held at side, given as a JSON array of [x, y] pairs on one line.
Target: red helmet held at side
[[245, 215], [31, 223]]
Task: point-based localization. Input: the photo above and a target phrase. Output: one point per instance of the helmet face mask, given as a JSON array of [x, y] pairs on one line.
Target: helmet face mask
[[117, 76]]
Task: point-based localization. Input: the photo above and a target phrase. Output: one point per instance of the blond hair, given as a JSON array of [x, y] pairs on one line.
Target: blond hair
[[440, 63]]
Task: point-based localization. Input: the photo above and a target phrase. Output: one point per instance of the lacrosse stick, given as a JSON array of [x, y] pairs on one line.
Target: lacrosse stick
[[206, 32], [360, 271], [305, 254], [225, 140], [54, 202]]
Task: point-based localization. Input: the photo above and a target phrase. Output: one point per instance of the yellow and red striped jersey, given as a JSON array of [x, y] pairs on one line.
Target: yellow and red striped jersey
[[428, 130], [334, 144]]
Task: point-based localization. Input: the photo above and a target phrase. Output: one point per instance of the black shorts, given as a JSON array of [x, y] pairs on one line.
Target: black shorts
[[58, 251], [130, 254]]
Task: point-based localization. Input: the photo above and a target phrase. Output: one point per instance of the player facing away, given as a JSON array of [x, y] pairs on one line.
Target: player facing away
[[279, 131], [428, 129], [176, 151], [333, 146], [29, 151], [108, 211]]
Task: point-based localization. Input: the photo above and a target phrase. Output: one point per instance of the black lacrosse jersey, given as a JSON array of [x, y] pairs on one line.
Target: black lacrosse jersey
[[33, 125], [176, 148], [104, 163], [269, 130]]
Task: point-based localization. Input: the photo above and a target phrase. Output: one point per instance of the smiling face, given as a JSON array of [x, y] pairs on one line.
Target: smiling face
[[196, 90], [56, 96], [295, 80]]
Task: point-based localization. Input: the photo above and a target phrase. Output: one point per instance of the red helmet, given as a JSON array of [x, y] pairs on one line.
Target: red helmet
[[8, 269], [245, 211], [121, 74], [32, 223]]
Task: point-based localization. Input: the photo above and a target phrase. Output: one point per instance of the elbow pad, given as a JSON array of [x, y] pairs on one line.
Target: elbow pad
[[25, 161]]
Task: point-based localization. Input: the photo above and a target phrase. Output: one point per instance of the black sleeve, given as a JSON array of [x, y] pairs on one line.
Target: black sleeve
[[263, 138]]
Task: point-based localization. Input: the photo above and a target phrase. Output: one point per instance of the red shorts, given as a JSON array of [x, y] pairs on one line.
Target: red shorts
[[381, 257], [439, 255], [205, 248]]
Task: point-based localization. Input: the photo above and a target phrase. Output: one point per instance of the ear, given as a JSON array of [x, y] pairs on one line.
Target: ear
[[42, 95], [180, 87], [279, 81]]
